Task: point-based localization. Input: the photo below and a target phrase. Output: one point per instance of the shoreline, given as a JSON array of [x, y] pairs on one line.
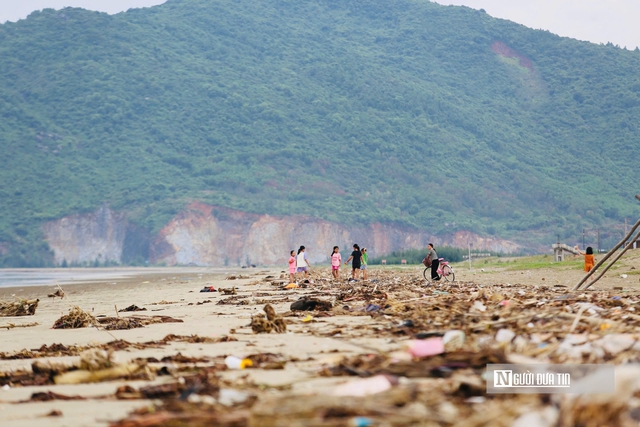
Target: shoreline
[[48, 277]]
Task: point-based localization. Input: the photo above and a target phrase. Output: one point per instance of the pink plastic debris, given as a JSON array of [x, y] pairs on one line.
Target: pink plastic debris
[[425, 348], [364, 387]]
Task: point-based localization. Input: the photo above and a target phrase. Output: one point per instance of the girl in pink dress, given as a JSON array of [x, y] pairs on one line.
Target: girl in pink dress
[[292, 267], [336, 260]]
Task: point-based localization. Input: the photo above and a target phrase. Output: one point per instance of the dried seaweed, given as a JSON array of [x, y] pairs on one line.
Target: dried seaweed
[[132, 307], [57, 293], [18, 308], [272, 322], [234, 300], [77, 318], [132, 322], [311, 304]]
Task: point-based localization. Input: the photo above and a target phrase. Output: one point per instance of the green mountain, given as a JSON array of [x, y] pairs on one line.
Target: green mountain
[[355, 111]]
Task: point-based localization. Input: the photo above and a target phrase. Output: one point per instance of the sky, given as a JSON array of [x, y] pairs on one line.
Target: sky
[[597, 21]]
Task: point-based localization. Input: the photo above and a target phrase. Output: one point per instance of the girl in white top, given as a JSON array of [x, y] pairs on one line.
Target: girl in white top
[[301, 261]]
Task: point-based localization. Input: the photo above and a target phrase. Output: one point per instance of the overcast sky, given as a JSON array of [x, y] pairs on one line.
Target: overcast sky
[[598, 21]]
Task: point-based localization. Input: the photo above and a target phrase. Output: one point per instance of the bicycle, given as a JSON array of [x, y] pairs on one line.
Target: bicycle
[[445, 271]]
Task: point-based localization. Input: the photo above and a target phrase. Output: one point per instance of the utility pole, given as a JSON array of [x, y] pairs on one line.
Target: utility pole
[[469, 256], [598, 239], [583, 247]]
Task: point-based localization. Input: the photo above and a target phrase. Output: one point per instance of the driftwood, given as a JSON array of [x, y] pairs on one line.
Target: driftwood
[[13, 325], [622, 252], [18, 308]]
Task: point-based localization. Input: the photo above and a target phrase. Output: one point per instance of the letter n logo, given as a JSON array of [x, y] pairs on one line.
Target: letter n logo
[[502, 378]]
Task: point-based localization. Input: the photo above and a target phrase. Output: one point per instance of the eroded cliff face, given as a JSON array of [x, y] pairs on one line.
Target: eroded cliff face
[[212, 236], [207, 235], [87, 237], [102, 236]]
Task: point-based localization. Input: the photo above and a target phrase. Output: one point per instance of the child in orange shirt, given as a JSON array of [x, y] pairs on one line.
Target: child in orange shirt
[[589, 260]]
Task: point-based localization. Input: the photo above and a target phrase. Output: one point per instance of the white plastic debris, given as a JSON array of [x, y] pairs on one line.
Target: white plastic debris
[[478, 306], [453, 340], [505, 335], [545, 417]]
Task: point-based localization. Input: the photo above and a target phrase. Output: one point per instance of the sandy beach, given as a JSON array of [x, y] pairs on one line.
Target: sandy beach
[[175, 292]]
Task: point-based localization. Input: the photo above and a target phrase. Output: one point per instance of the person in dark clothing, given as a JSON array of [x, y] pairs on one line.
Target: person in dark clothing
[[356, 256], [435, 262]]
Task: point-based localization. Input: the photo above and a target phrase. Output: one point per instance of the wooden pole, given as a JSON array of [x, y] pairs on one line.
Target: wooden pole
[[604, 270], [607, 256]]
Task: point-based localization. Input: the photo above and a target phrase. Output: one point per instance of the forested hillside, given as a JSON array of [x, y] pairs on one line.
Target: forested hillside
[[355, 111]]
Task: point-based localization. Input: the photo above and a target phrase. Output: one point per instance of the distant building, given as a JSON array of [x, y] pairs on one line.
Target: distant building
[[560, 250]]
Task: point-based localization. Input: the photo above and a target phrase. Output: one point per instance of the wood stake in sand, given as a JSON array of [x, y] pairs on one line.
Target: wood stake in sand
[[606, 257]]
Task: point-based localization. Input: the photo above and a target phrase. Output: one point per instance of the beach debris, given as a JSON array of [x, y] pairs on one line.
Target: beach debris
[[53, 413], [48, 396], [425, 348], [366, 386], [132, 307], [132, 322], [229, 291], [76, 318], [238, 277], [292, 286], [272, 322], [310, 304], [22, 325], [234, 362], [268, 361], [97, 365], [231, 397], [505, 336], [453, 340], [21, 307], [234, 300], [208, 289], [164, 302], [58, 293]]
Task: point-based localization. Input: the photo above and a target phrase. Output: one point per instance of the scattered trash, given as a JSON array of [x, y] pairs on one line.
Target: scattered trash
[[208, 289], [453, 340], [233, 362], [365, 387], [505, 336], [425, 348], [372, 307]]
